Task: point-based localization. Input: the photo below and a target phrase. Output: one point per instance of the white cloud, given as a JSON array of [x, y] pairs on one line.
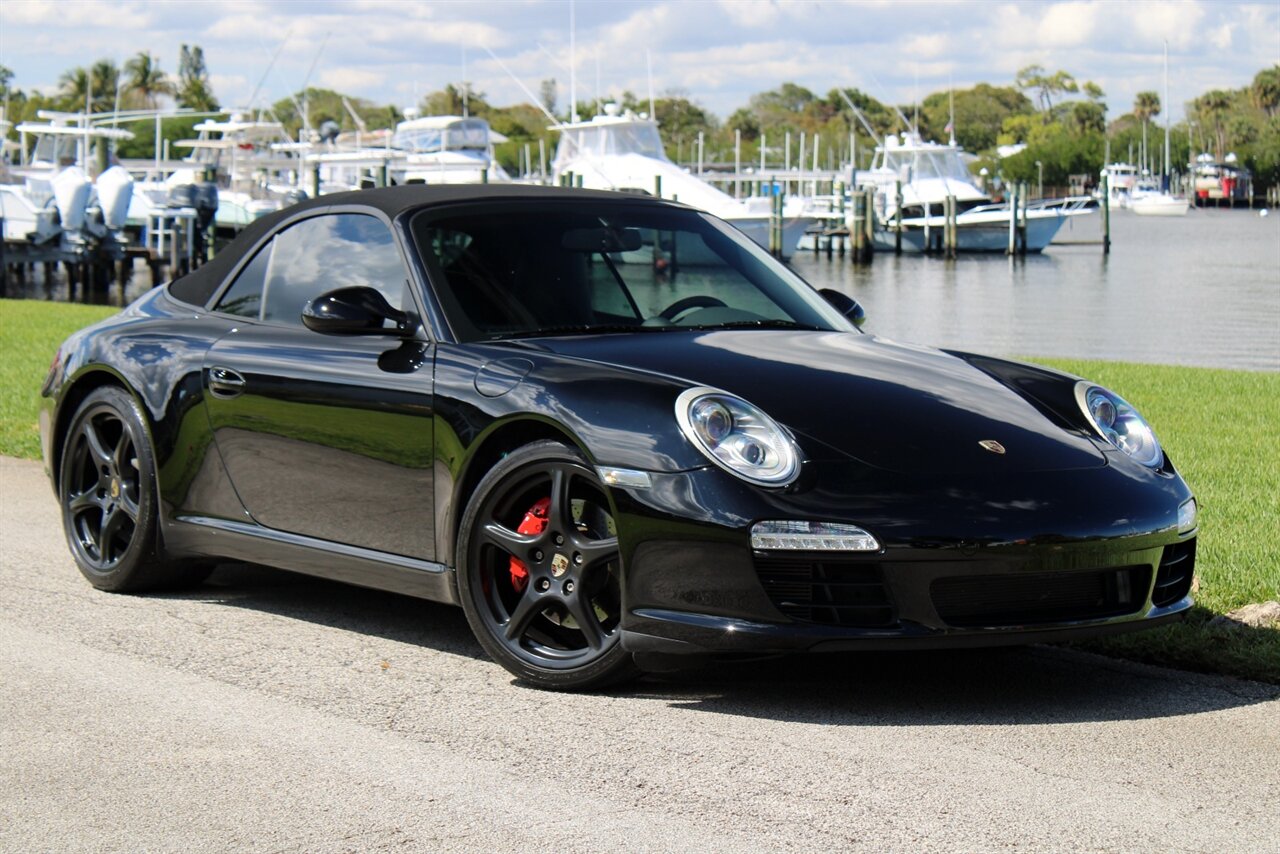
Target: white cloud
[[352, 79], [1069, 24], [720, 53]]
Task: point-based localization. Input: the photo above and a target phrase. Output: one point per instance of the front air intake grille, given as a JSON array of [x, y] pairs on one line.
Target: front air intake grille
[[1045, 597], [1173, 579], [833, 592]]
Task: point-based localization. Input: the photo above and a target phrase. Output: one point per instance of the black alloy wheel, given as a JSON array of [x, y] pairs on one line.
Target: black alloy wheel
[[540, 575], [108, 496]]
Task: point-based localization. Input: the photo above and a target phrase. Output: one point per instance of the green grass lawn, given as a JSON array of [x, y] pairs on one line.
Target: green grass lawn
[[1220, 427], [30, 332]]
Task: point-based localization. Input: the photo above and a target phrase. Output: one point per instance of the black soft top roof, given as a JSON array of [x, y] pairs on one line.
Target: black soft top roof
[[199, 285]]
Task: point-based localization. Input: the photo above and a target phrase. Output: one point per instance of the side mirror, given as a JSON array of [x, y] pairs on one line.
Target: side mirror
[[846, 305], [355, 311]]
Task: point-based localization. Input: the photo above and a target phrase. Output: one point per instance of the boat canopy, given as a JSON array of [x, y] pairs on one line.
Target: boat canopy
[[444, 133], [626, 134], [921, 161]]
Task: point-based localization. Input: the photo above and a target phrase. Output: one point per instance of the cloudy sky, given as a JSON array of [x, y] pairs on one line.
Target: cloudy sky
[[719, 53]]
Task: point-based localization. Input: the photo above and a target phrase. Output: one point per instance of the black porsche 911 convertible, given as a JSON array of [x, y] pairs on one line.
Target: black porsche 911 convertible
[[612, 429]]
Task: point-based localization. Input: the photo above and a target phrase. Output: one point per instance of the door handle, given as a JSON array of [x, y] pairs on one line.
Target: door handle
[[224, 382]]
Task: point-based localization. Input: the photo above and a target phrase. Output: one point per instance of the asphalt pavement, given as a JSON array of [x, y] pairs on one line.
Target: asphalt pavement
[[271, 712]]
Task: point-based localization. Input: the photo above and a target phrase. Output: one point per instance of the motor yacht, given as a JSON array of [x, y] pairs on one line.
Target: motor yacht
[[929, 172], [621, 150]]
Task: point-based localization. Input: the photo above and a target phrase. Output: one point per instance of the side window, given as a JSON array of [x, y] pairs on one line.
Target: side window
[[327, 252], [244, 297]]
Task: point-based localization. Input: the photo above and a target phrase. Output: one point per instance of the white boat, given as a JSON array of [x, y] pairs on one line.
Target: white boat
[[1122, 180], [929, 172], [1157, 201], [623, 151], [253, 178], [1159, 204], [446, 150], [58, 203]]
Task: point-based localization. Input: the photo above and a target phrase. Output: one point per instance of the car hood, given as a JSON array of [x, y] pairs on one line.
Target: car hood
[[889, 405]]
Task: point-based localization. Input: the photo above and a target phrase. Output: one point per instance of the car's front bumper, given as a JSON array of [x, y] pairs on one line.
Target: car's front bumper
[[1051, 557]]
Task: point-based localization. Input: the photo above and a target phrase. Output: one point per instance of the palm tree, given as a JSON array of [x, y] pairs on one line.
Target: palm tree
[[1146, 105], [1212, 108], [1265, 91], [74, 84], [105, 77], [146, 80]]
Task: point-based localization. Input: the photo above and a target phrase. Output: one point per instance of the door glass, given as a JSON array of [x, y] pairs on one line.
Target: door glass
[[327, 252], [244, 297]]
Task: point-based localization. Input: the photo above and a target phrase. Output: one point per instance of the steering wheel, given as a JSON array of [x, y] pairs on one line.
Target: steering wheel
[[682, 305]]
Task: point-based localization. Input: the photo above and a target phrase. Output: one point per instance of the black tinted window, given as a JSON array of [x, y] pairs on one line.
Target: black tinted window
[[244, 297], [327, 252], [532, 269]]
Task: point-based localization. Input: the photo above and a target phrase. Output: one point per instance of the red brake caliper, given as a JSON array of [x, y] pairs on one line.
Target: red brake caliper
[[534, 522]]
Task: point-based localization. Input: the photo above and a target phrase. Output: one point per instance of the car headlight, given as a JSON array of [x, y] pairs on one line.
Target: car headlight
[[738, 437], [1119, 423]]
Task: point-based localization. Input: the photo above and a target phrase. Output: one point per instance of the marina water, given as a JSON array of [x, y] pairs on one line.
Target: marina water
[[1199, 290]]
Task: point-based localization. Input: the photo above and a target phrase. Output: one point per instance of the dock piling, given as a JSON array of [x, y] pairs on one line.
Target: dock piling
[[1106, 215], [897, 217]]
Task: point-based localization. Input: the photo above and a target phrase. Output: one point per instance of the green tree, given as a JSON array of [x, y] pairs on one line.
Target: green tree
[[97, 82], [450, 101], [980, 113], [146, 80], [547, 94], [1264, 92], [327, 105], [1212, 108], [680, 121], [193, 88], [1047, 86]]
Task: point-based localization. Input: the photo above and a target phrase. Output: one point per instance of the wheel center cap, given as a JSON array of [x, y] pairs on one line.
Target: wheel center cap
[[115, 488], [559, 565]]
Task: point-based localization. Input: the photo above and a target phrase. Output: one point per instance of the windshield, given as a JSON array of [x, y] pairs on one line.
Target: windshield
[[530, 269], [610, 138], [921, 164], [460, 135]]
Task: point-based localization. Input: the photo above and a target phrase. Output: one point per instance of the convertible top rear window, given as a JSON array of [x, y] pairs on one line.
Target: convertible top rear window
[[525, 270]]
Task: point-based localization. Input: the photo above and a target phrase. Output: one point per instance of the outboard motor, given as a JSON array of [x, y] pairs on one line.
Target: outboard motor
[[206, 203], [329, 130], [115, 191], [182, 196], [71, 191]]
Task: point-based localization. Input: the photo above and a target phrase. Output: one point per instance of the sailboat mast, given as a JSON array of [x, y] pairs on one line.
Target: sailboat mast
[[1166, 115], [573, 63]]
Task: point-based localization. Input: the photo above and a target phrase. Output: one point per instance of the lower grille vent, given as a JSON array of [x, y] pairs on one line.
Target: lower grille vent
[[838, 593], [1050, 597], [1177, 568]]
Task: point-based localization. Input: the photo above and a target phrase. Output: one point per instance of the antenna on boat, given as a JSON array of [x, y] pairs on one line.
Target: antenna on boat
[[858, 115], [304, 110], [263, 79], [901, 115], [951, 122], [648, 61], [355, 117], [915, 101], [1165, 182], [533, 99], [573, 62], [465, 88]]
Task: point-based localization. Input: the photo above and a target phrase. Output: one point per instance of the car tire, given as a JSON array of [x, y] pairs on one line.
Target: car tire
[[107, 490], [539, 570]]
